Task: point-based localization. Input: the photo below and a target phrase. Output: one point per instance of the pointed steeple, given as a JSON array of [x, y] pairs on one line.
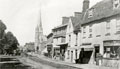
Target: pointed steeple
[[39, 37], [40, 23]]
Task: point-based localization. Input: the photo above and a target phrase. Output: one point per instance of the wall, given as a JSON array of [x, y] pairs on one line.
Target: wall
[[99, 32], [72, 43]]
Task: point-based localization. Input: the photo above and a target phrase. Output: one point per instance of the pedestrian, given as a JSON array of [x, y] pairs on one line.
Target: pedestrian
[[81, 56]]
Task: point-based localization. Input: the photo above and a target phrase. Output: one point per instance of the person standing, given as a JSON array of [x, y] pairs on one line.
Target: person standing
[[81, 56]]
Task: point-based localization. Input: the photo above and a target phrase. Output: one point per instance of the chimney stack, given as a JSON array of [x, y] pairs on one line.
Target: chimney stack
[[85, 5], [78, 14], [65, 20]]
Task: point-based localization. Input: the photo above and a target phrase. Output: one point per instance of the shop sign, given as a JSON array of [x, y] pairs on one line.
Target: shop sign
[[111, 43], [86, 44], [96, 44]]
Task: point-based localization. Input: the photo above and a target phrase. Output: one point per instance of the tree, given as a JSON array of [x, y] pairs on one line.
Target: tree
[[8, 42], [2, 29], [11, 43], [2, 33]]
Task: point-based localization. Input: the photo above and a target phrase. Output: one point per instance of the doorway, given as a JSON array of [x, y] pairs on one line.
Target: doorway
[[97, 50], [87, 55]]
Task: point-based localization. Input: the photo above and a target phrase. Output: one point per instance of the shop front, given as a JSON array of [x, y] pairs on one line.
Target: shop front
[[87, 52], [63, 47], [111, 57], [56, 53], [113, 46]]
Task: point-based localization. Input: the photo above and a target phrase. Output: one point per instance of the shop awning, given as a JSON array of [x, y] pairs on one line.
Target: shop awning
[[73, 48], [61, 44], [56, 46], [87, 48], [49, 44]]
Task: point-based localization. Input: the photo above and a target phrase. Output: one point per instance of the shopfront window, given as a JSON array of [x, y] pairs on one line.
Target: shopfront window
[[111, 48], [112, 51]]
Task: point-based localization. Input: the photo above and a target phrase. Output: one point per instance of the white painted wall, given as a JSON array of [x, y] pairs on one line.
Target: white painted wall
[[72, 43], [99, 28]]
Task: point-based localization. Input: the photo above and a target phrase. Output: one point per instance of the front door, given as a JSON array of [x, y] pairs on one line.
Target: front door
[[97, 49]]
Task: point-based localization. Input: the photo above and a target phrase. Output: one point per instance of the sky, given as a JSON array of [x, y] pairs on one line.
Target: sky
[[22, 16]]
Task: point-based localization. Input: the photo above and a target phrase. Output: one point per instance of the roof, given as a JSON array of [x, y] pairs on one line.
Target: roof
[[49, 35], [101, 10], [76, 21], [60, 26]]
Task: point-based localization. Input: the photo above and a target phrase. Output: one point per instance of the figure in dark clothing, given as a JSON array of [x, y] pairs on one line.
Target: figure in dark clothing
[[81, 55], [37, 48]]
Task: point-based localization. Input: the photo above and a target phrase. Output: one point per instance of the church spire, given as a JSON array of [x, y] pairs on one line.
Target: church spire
[[40, 23], [39, 37]]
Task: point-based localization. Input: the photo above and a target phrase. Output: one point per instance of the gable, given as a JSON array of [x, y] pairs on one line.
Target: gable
[[70, 26]]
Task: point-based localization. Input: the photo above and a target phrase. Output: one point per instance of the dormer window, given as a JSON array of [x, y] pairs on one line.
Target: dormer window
[[116, 4], [90, 13]]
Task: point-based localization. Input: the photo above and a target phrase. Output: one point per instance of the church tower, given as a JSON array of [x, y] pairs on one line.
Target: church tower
[[39, 37]]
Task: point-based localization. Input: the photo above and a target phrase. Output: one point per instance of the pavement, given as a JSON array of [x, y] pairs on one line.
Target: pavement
[[68, 65]]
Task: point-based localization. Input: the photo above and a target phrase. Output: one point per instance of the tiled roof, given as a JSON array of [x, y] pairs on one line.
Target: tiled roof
[[76, 21], [60, 26], [101, 10]]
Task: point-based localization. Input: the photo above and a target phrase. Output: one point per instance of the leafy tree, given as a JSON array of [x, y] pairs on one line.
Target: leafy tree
[[2, 34], [11, 42], [8, 42], [2, 29]]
